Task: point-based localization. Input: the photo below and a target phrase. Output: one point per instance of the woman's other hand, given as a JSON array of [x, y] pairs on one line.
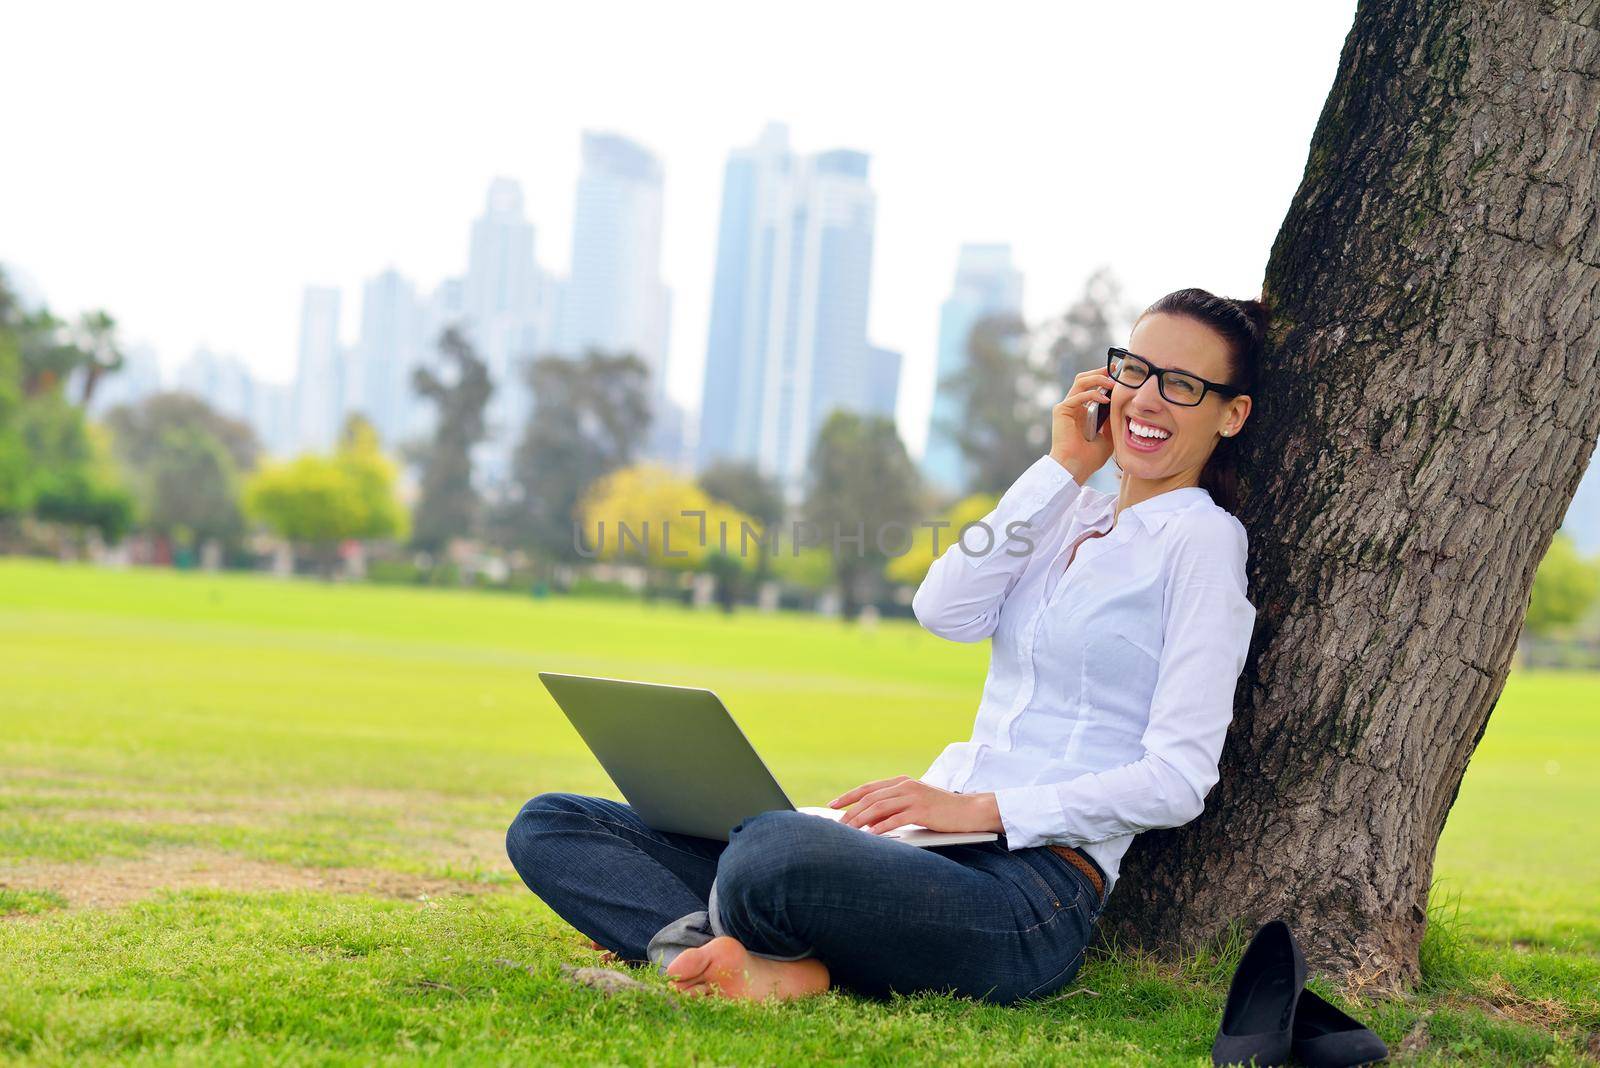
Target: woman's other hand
[[889, 803], [1081, 458]]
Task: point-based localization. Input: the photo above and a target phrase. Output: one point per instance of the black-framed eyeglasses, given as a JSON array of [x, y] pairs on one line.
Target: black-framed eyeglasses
[[1179, 387]]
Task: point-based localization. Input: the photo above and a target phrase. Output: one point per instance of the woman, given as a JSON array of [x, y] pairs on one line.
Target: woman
[[1119, 625]]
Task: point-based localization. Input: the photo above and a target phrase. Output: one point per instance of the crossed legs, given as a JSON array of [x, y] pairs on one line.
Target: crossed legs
[[804, 902]]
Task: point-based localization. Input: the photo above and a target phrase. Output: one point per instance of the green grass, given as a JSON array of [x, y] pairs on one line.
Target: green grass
[[161, 731]]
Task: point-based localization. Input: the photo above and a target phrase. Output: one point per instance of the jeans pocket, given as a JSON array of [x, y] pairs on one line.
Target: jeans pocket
[[1060, 979], [1090, 897], [1065, 882]]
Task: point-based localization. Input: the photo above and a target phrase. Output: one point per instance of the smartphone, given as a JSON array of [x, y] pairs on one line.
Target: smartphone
[[1094, 418]]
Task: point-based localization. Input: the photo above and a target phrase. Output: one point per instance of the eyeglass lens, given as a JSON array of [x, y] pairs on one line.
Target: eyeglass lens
[[1176, 386]]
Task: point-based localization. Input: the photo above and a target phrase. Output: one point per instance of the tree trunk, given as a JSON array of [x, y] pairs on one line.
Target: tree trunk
[[1427, 406]]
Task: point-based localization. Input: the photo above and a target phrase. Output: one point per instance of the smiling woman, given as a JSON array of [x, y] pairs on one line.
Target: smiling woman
[[1118, 637]]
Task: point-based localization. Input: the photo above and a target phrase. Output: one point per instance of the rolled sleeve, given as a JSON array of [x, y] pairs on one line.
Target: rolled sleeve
[[961, 595], [1205, 639]]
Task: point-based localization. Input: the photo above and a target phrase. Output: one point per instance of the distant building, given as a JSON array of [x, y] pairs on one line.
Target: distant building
[[788, 337], [319, 377], [272, 415], [222, 381], [986, 284], [388, 350], [613, 298], [883, 381], [505, 312], [226, 384]]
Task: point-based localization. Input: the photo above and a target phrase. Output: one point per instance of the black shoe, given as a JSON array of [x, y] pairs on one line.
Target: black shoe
[[1258, 1019], [1324, 1037]]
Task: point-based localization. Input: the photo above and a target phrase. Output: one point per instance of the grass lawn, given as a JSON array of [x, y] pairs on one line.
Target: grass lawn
[[243, 820]]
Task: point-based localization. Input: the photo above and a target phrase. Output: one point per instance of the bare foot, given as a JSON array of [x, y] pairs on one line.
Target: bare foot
[[605, 954], [724, 968]]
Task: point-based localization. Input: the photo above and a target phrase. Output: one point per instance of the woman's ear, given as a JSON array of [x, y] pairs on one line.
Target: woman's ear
[[1238, 412]]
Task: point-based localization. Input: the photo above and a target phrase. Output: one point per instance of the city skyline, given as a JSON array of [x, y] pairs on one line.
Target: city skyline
[[226, 204]]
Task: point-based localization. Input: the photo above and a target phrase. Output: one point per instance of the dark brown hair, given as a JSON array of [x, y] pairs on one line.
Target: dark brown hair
[[1243, 325]]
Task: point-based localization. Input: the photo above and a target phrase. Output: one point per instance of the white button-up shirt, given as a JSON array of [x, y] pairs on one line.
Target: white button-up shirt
[[1111, 674]]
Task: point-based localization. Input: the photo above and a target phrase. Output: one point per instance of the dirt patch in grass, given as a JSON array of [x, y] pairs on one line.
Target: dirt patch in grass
[[1496, 997], [113, 883]]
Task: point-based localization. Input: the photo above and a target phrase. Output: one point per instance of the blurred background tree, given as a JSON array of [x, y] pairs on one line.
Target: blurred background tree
[[757, 496], [53, 468], [860, 480], [185, 462], [75, 482], [1564, 588], [1003, 394], [317, 502], [591, 416], [637, 515], [910, 569], [1099, 318], [449, 505]]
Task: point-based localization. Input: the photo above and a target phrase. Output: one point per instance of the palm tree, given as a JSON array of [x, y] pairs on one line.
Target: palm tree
[[102, 354]]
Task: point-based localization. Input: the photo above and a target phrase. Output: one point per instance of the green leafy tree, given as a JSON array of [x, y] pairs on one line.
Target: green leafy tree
[[756, 495], [374, 479], [307, 501], [674, 525], [1004, 396], [590, 417], [931, 542], [319, 501], [16, 488], [1564, 588], [1098, 319], [449, 506], [49, 462], [96, 339], [189, 489], [861, 482], [139, 429], [75, 482], [184, 461]]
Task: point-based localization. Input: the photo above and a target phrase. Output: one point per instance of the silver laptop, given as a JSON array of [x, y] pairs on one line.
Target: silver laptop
[[683, 763]]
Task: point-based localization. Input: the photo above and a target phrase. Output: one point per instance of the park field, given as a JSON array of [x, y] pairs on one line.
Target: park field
[[245, 820]]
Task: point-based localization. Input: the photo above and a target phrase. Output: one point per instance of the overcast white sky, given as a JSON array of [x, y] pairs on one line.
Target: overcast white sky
[[191, 167]]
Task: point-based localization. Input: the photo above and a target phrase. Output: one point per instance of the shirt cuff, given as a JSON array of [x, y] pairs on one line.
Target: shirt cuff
[[1031, 815], [1044, 478]]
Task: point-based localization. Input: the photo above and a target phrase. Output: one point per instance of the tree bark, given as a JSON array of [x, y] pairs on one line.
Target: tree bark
[[1427, 406]]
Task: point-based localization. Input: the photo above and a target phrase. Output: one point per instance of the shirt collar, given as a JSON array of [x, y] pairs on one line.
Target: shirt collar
[[1154, 512]]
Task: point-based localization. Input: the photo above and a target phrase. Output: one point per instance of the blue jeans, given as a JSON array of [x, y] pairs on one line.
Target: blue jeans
[[978, 921]]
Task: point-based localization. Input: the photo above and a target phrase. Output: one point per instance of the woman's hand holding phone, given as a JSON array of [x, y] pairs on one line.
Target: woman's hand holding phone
[[1068, 446]]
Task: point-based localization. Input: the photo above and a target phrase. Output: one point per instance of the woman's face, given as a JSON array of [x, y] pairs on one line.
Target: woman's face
[[1191, 432]]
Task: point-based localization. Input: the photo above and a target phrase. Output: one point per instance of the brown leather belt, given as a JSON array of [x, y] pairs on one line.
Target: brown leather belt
[[1079, 861]]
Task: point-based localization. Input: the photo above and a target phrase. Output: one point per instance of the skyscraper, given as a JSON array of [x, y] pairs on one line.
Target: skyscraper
[[222, 381], [986, 284], [788, 338], [389, 348], [614, 298], [319, 377], [504, 311], [883, 381], [272, 416]]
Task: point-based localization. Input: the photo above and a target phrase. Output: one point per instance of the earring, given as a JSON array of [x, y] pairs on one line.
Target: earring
[[1225, 433]]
